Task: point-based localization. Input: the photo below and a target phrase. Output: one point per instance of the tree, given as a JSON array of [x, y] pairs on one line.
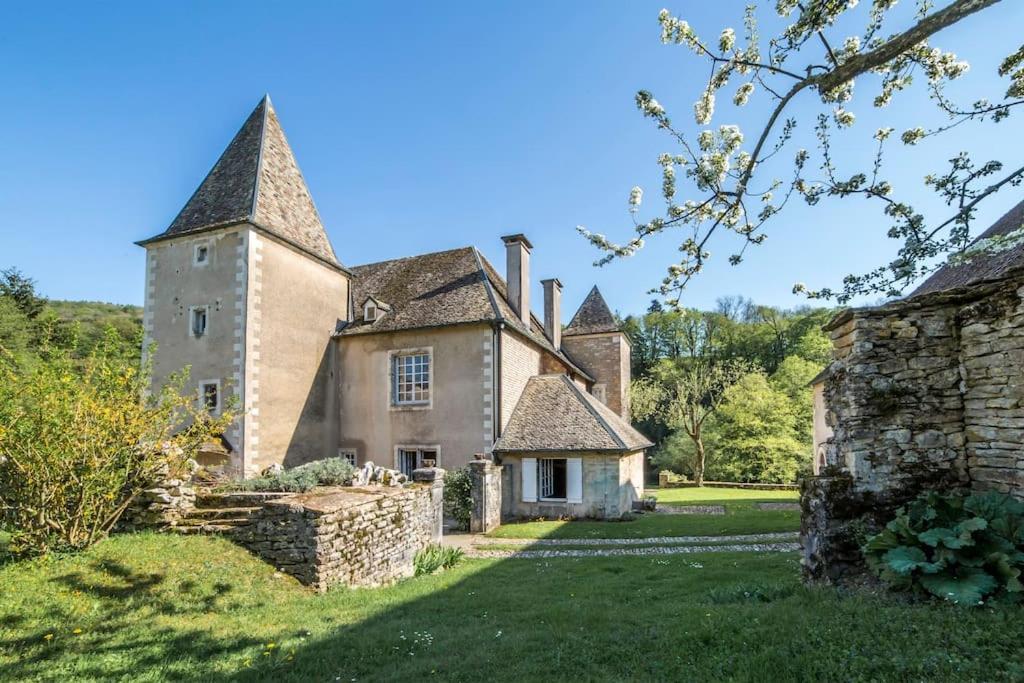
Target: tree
[[80, 441], [756, 433], [793, 380], [735, 188], [23, 291], [684, 395]]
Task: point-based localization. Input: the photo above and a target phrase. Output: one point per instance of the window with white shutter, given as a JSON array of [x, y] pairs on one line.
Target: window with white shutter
[[574, 480]]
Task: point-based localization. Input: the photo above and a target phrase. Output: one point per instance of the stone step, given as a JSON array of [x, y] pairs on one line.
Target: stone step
[[190, 521], [190, 529], [219, 513], [235, 499]]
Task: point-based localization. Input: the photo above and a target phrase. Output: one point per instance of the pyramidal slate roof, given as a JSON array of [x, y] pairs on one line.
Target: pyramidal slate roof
[[451, 287], [593, 317], [984, 267], [256, 180], [554, 414]]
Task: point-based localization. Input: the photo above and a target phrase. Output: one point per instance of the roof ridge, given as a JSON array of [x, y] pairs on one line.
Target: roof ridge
[[414, 256], [593, 411], [488, 287], [259, 159]]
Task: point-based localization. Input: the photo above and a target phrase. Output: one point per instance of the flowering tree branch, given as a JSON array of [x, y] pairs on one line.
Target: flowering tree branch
[[724, 174]]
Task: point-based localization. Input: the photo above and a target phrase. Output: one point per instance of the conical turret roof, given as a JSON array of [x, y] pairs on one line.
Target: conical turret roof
[[593, 317], [256, 180]]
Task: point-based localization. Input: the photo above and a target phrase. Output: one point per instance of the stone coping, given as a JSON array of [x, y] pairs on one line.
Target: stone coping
[[331, 499]]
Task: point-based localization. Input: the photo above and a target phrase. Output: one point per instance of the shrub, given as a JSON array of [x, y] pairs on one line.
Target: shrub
[[434, 557], [962, 549], [78, 444], [458, 500], [326, 472]]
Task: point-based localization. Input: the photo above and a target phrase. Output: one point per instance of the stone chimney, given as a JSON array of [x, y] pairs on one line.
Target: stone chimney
[[517, 273], [553, 311]]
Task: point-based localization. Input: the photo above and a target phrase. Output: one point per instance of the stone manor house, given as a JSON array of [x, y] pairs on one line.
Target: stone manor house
[[430, 357]]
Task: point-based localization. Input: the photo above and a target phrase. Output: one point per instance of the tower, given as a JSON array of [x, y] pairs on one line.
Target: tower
[[244, 288], [593, 339]]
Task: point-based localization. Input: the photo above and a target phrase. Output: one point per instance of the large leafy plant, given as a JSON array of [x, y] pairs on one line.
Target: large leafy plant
[[964, 549]]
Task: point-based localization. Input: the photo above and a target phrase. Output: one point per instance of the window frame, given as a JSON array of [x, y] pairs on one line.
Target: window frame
[[192, 310], [350, 454], [419, 450], [392, 373], [215, 383], [205, 244], [541, 466]]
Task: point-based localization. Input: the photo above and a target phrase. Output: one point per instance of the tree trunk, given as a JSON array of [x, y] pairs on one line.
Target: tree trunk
[[698, 467]]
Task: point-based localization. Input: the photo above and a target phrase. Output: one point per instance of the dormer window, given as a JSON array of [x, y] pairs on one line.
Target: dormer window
[[201, 254], [370, 312]]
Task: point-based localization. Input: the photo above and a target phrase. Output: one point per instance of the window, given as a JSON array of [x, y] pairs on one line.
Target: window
[[410, 378], [198, 320], [209, 393], [552, 478], [349, 454], [370, 312], [201, 254], [410, 458]]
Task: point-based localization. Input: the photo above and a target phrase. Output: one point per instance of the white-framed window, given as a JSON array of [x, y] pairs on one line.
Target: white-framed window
[[201, 254], [556, 480], [209, 394], [198, 317], [411, 377], [349, 454], [370, 311], [409, 458]]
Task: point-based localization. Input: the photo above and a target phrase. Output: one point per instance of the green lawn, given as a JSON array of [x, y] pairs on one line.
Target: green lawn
[[154, 607], [741, 517]]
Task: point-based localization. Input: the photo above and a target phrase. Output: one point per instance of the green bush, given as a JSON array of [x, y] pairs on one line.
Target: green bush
[[458, 501], [326, 472], [964, 549], [81, 439], [434, 557]]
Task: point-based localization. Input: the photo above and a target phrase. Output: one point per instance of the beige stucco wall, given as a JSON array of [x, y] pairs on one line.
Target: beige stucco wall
[[611, 482], [173, 285], [606, 358], [459, 419], [296, 305], [520, 360], [822, 432]]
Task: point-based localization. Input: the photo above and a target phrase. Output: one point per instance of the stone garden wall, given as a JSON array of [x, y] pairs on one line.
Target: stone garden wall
[[923, 394], [355, 536], [162, 505]]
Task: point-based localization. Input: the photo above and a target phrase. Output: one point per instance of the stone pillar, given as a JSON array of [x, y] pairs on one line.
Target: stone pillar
[[434, 477], [486, 494]]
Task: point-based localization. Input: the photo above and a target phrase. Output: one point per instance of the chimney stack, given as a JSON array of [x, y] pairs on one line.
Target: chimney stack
[[517, 273], [553, 311]]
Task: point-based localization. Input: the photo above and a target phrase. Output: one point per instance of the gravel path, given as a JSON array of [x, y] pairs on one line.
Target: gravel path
[[690, 510], [638, 552]]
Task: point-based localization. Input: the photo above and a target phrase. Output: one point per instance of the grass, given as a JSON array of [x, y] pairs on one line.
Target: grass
[[741, 517], [151, 607]]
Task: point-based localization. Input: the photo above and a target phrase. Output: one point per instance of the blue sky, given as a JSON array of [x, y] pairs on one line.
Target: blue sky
[[418, 127]]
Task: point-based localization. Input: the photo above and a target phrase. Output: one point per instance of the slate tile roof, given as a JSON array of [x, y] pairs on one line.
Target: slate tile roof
[[592, 317], [443, 288], [554, 414], [985, 267], [256, 180]]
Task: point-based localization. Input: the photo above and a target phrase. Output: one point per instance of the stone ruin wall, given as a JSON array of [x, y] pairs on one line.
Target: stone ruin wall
[[354, 536], [922, 395]]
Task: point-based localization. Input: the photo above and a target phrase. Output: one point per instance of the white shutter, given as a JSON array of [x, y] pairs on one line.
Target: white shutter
[[574, 480], [529, 480]]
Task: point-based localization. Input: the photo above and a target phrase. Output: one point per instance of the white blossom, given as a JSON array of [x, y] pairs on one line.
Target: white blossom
[[636, 195], [743, 94], [883, 133], [912, 136], [844, 118], [704, 108], [727, 40]]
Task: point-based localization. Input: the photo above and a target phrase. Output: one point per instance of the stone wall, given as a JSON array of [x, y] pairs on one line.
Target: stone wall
[[355, 536], [162, 505], [924, 394]]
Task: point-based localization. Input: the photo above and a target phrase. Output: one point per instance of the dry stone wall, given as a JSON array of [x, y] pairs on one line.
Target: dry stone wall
[[925, 394], [356, 536]]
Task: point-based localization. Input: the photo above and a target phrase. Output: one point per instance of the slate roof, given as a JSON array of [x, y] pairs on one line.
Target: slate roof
[[592, 317], [442, 288], [256, 180], [554, 414], [984, 267]]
